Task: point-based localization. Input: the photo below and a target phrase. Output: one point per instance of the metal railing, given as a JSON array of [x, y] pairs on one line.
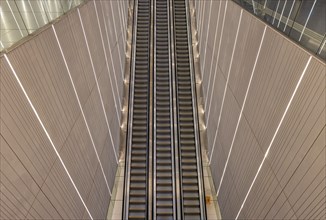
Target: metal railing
[[303, 21], [20, 18]]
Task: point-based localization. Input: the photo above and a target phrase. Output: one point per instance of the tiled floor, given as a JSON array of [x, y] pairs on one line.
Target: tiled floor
[[213, 211], [115, 208]]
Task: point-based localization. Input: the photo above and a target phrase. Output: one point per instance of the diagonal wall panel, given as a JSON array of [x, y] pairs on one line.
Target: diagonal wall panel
[[268, 161], [57, 154]]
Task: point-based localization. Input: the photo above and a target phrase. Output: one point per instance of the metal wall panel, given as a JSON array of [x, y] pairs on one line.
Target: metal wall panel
[[51, 101], [217, 21], [215, 111], [268, 157]]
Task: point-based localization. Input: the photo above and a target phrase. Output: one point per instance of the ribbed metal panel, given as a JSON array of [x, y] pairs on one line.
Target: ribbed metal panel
[[34, 183], [276, 116]]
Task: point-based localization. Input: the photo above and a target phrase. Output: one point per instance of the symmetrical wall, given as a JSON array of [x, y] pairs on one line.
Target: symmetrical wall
[[264, 99], [61, 95]]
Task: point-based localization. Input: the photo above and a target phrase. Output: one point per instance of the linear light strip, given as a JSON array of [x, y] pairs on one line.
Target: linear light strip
[[43, 12], [215, 38], [305, 25], [287, 20], [120, 16], [1, 44], [123, 9], [80, 106], [122, 20], [226, 84], [30, 5], [107, 66], [277, 129], [98, 88], [202, 20], [321, 48], [216, 66], [241, 112], [253, 6], [111, 56], [46, 7], [265, 4], [200, 15], [113, 67], [209, 21], [125, 21], [116, 36], [125, 28], [46, 132], [278, 4], [279, 21], [15, 19]]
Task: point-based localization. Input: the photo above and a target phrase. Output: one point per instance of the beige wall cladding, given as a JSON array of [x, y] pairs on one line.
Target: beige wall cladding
[[250, 34], [212, 121], [265, 117], [229, 30], [218, 162], [60, 116], [210, 68]]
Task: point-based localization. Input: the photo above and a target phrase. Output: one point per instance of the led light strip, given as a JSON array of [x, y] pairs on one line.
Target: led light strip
[[117, 39], [113, 67], [46, 132], [202, 21], [279, 21], [287, 20], [124, 17], [209, 21], [305, 25], [201, 12], [197, 6], [226, 86], [46, 7], [253, 6], [215, 38], [70, 4], [122, 21], [198, 16], [216, 66], [240, 115], [321, 48], [30, 5], [42, 11], [98, 88], [15, 19], [277, 129], [278, 4], [107, 66], [80, 106]]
